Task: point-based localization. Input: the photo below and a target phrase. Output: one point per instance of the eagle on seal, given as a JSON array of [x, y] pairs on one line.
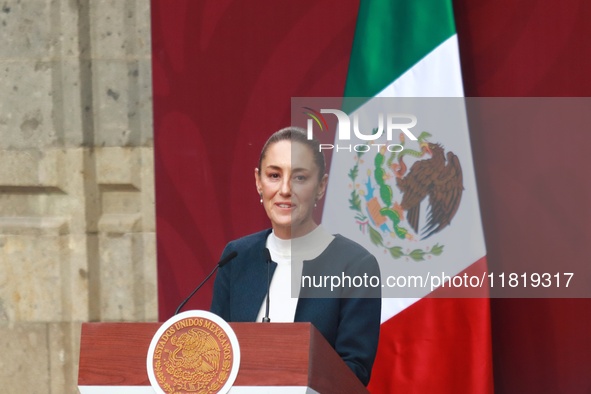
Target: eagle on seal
[[440, 179]]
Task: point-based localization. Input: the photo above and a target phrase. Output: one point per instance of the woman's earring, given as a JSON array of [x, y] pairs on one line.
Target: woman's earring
[[261, 194]]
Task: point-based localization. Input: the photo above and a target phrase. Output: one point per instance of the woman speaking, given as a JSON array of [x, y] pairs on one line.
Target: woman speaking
[[290, 179]]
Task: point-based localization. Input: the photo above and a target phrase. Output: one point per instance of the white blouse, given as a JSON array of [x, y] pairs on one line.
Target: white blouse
[[288, 254]]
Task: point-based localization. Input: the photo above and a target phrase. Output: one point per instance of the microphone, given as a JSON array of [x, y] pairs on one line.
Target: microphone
[[267, 255], [222, 262]]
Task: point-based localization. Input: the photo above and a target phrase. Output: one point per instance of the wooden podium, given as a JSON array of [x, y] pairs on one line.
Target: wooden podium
[[275, 358]]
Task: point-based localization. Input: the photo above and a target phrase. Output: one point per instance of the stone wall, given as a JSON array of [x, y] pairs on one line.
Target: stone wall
[[77, 227]]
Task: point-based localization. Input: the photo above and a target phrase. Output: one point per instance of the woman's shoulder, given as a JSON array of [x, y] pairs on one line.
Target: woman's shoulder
[[350, 253], [348, 245], [249, 240], [344, 252], [248, 248]]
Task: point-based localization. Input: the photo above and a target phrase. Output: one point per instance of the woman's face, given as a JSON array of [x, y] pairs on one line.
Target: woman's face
[[290, 185]]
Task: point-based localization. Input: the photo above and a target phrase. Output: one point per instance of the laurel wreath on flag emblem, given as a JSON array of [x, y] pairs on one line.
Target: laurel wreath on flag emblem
[[387, 193]]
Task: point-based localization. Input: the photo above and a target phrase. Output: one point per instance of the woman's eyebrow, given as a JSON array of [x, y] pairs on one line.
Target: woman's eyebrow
[[300, 169]]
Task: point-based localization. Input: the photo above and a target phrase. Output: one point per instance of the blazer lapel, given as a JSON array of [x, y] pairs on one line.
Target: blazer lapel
[[252, 282]]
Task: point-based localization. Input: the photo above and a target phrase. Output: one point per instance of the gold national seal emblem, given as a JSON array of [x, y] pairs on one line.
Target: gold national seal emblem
[[193, 352]]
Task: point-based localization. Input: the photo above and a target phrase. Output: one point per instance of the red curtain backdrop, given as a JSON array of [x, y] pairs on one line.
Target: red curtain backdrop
[[534, 202], [224, 72]]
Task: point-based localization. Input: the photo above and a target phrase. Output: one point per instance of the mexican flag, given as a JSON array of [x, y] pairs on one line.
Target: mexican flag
[[428, 343]]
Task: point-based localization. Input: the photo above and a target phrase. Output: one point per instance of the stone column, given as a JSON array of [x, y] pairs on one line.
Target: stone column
[[77, 227]]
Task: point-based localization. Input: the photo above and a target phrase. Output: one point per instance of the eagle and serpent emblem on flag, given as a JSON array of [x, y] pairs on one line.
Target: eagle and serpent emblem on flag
[[388, 188]]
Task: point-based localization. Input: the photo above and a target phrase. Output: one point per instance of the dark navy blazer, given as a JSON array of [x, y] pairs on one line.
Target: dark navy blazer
[[350, 321]]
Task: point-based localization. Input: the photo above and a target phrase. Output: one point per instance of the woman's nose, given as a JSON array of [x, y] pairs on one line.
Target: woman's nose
[[286, 186]]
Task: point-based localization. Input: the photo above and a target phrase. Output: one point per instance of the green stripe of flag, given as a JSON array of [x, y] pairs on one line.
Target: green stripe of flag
[[390, 37]]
